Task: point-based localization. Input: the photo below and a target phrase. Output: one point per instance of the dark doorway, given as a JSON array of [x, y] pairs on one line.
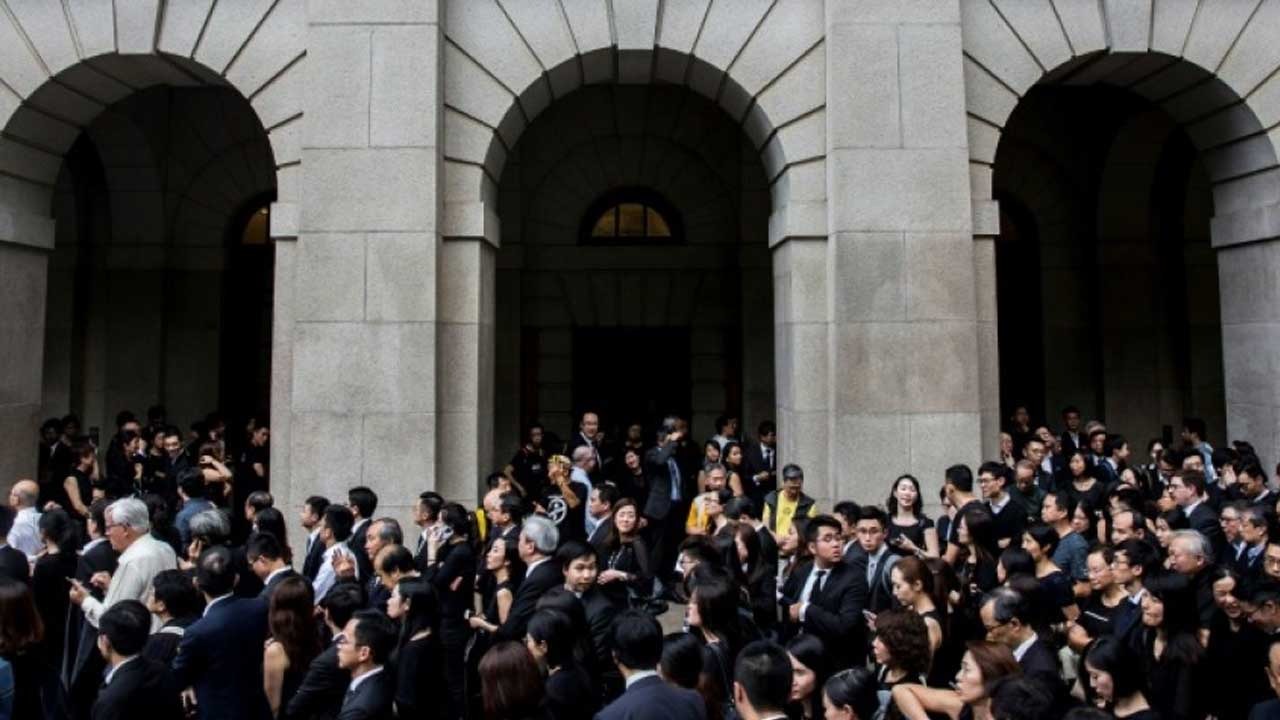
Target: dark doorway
[[631, 375]]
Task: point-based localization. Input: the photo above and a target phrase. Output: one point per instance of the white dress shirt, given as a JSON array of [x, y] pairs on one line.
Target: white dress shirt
[[1022, 649], [25, 535], [112, 672], [355, 681], [326, 577], [138, 566]]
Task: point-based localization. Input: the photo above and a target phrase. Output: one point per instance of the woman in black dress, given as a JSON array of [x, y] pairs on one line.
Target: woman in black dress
[[809, 671], [420, 660], [54, 565], [1056, 588], [451, 570], [1112, 677], [911, 532], [1080, 482], [1172, 653], [1232, 637], [550, 638], [625, 577], [901, 650], [294, 642]]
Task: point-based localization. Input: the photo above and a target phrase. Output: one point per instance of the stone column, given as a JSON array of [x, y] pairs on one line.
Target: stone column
[[362, 388], [1250, 295], [901, 264], [24, 262]]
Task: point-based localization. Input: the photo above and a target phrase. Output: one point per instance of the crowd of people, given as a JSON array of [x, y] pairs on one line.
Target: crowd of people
[[1070, 577]]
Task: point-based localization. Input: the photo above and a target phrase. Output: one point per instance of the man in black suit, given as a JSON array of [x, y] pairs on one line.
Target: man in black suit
[[363, 650], [1270, 709], [381, 533], [13, 563], [363, 502], [266, 559], [134, 687], [761, 461], [1188, 490], [826, 597], [1252, 482], [221, 653], [666, 506], [1007, 616], [762, 681], [579, 563], [537, 544], [1254, 531], [600, 512], [876, 560], [319, 697], [637, 649], [311, 515], [588, 436], [1072, 438]]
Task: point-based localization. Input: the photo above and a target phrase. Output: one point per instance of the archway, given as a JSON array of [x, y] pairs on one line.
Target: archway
[[1213, 77], [136, 144], [506, 64], [633, 274]]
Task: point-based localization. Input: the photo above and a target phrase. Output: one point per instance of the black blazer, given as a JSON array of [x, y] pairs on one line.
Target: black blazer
[[221, 657], [268, 588], [600, 534], [879, 595], [372, 699], [658, 474], [311, 565], [834, 613], [355, 544], [1205, 519], [13, 564], [651, 698], [320, 695], [141, 688], [543, 578], [456, 560], [1041, 664], [600, 616], [376, 594]]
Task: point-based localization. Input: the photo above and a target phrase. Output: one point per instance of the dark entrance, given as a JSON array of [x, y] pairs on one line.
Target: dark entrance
[[630, 375]]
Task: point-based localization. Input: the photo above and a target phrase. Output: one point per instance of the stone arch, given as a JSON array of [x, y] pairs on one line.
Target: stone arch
[[61, 68], [1212, 71], [763, 64]]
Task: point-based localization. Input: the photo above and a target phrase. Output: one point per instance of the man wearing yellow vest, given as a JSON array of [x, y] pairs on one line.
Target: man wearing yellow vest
[[780, 506]]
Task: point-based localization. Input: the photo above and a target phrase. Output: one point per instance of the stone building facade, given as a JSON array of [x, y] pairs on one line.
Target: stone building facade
[[881, 222]]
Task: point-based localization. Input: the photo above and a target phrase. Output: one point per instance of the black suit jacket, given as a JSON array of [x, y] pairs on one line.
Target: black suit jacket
[[1041, 664], [834, 613], [311, 565], [13, 564], [1205, 519], [221, 657], [879, 595], [140, 688], [543, 577], [372, 699], [269, 587], [651, 698], [320, 695], [658, 473], [600, 616], [355, 544], [600, 534], [754, 464]]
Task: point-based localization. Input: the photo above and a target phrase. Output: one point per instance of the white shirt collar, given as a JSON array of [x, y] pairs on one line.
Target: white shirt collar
[[1022, 649], [112, 672], [274, 573], [355, 681], [213, 602], [92, 544], [1187, 510], [529, 570], [997, 506], [639, 675]]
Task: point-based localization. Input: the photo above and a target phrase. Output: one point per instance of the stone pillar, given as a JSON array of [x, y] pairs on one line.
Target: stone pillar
[[1250, 295], [904, 359], [23, 275], [362, 391]]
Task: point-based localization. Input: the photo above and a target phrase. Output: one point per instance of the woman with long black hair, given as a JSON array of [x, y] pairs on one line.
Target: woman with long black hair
[[1172, 652], [551, 640], [809, 670], [420, 658], [451, 570], [911, 532]]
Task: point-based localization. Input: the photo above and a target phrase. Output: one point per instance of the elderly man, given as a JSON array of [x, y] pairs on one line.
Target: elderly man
[[381, 533], [584, 463], [1191, 556], [538, 541], [25, 535], [142, 557]]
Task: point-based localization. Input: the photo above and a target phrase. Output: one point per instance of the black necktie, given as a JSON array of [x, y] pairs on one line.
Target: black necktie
[[817, 584]]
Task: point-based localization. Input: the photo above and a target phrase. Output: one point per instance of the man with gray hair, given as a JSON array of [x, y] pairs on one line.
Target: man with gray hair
[[25, 535], [381, 533], [142, 557], [1191, 555], [1007, 616], [538, 541], [584, 463]]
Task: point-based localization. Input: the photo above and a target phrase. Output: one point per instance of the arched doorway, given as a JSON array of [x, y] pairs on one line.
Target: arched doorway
[[137, 141], [1107, 283], [634, 272]]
